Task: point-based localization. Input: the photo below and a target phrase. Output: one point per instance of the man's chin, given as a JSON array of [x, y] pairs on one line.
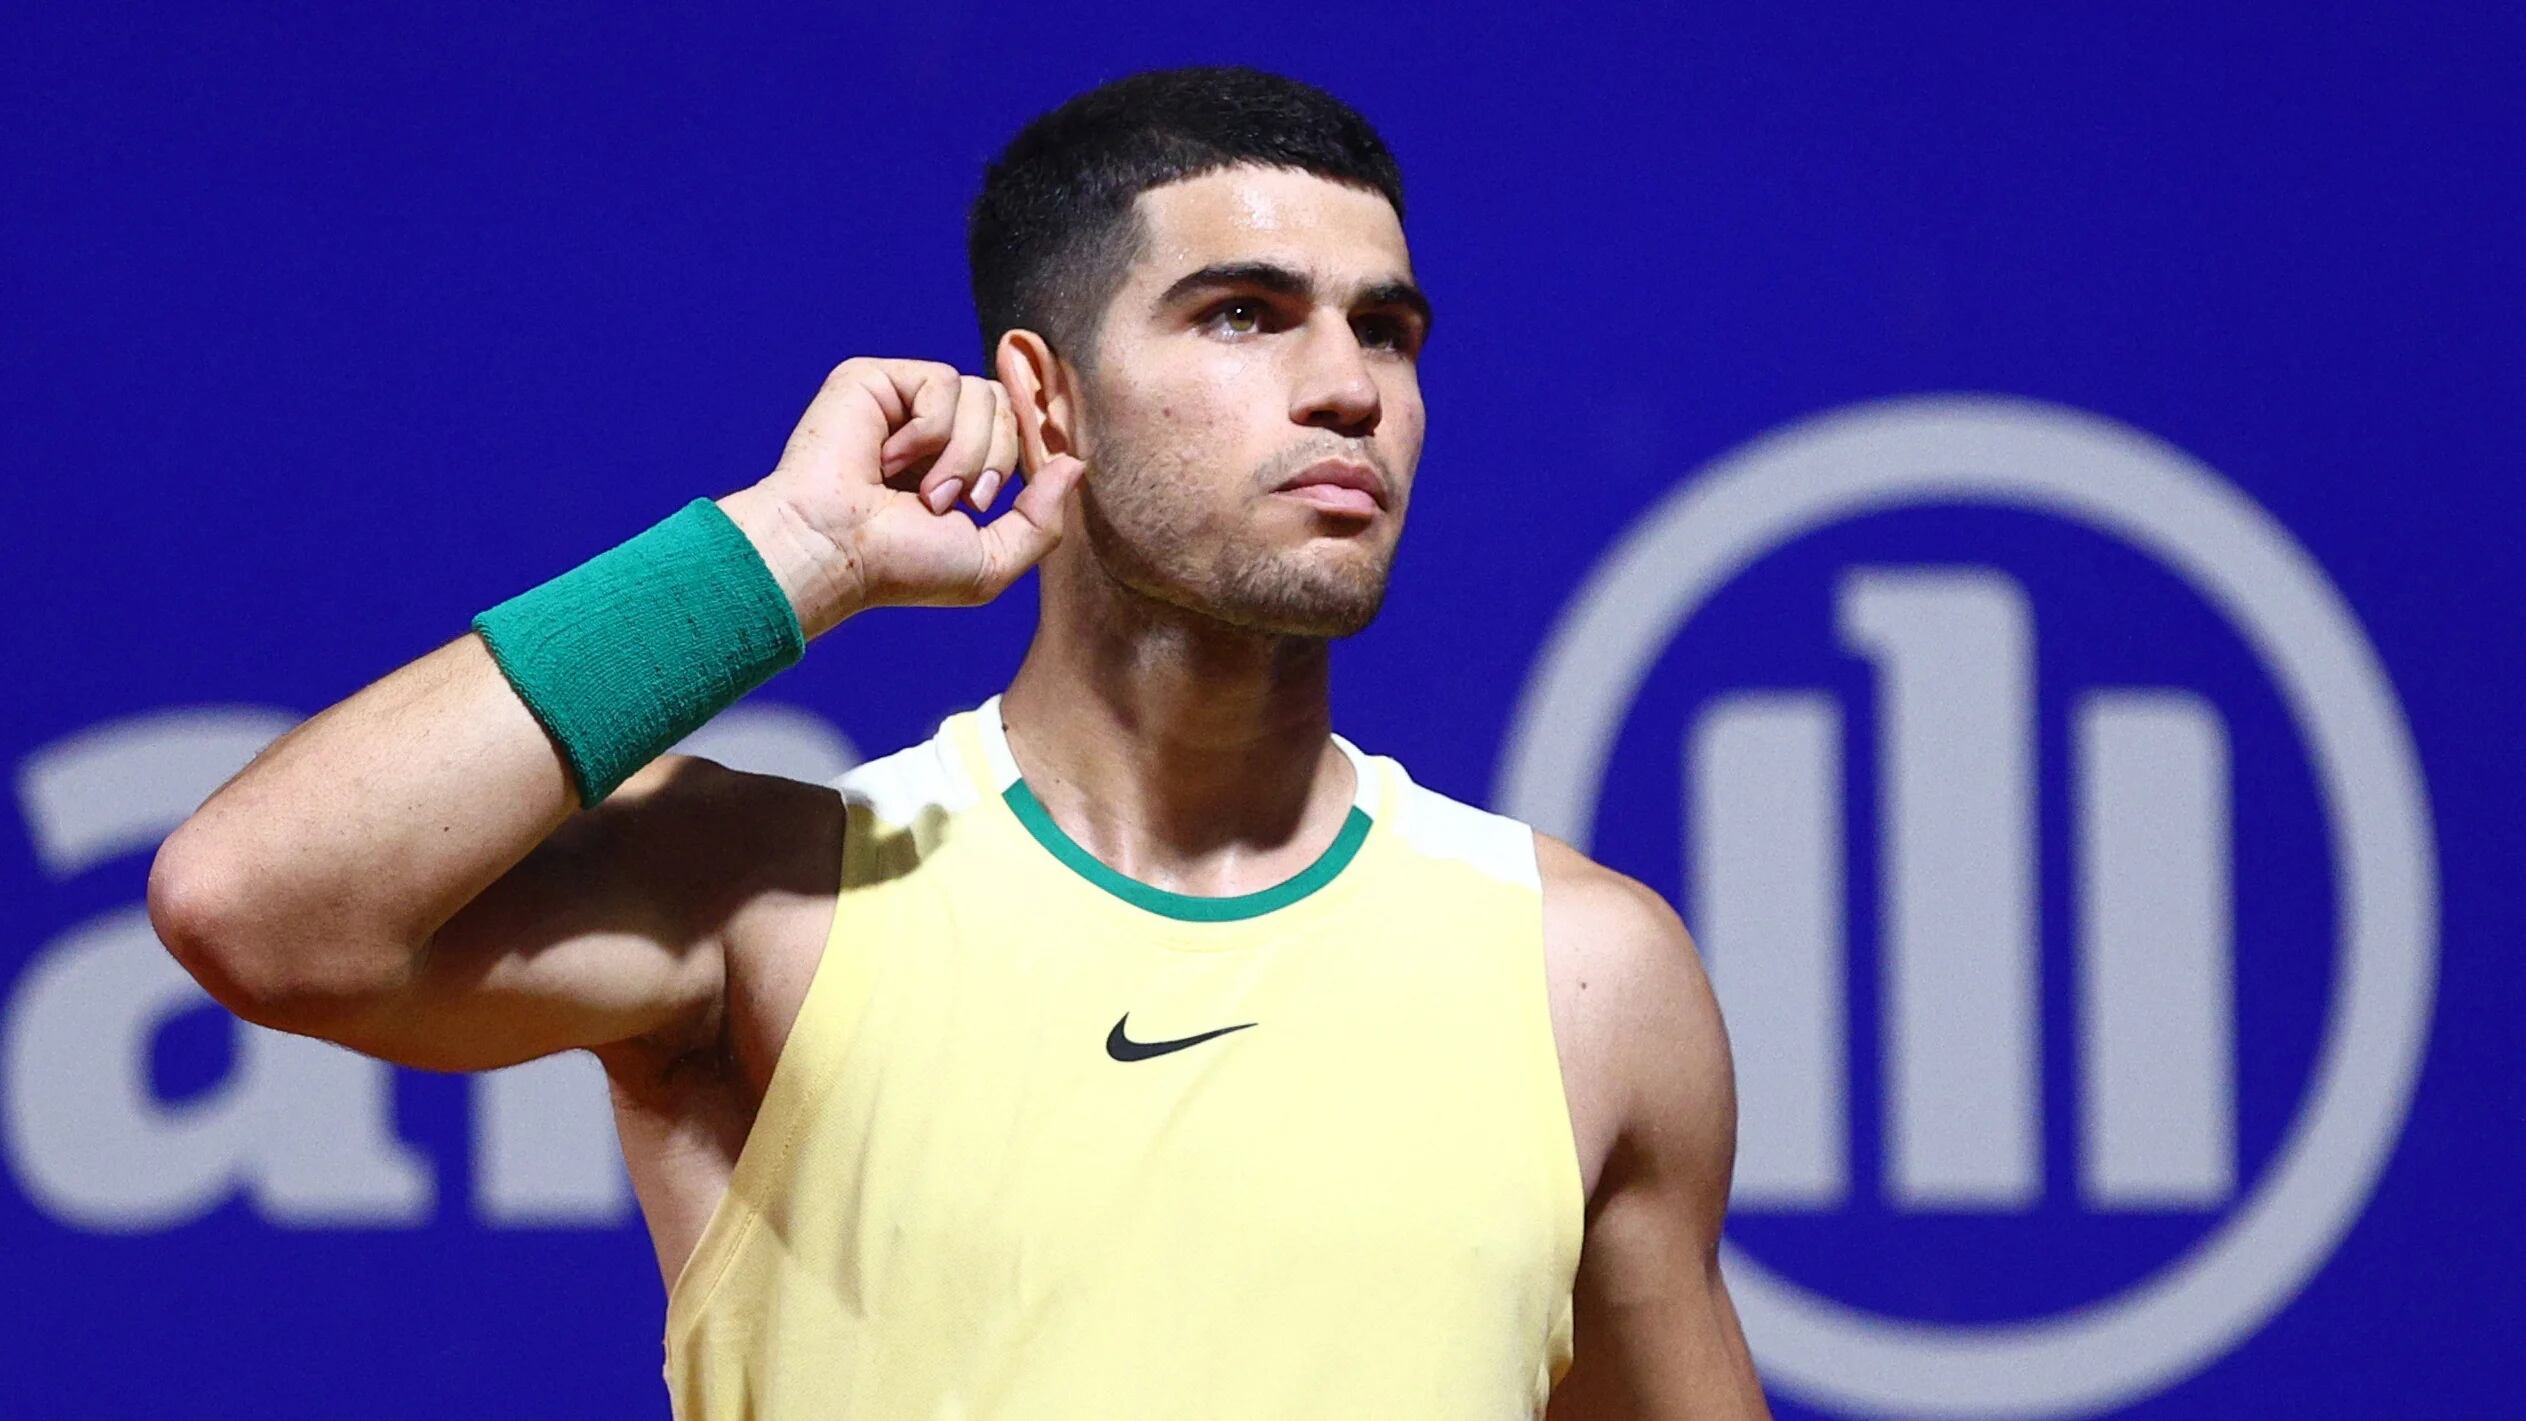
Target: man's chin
[[1296, 595], [1313, 610], [1313, 626]]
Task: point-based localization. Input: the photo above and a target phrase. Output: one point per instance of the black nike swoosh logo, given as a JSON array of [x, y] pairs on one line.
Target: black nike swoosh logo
[[1123, 1048]]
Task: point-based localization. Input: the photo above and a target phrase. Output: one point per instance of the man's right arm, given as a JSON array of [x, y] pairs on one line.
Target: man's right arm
[[409, 873]]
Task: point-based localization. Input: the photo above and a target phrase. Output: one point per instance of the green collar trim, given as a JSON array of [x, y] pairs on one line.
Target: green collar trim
[[1187, 907]]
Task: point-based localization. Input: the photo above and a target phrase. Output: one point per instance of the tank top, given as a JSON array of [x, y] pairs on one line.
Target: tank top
[[1047, 1142]]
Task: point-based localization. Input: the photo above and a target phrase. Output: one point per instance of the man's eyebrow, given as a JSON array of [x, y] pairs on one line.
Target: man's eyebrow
[[1272, 276], [1399, 293]]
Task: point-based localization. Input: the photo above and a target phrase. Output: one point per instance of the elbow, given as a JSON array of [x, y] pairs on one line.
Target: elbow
[[265, 973], [184, 911]]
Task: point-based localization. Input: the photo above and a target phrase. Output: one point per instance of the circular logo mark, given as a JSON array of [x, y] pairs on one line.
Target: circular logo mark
[[2079, 467]]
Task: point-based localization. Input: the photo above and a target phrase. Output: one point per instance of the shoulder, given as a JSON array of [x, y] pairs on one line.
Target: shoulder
[[1621, 931], [770, 835], [1436, 825], [713, 833], [1615, 913], [899, 788], [762, 856], [751, 861], [798, 839], [1648, 1006]]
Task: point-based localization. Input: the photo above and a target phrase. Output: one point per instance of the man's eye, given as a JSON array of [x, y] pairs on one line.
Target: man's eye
[[1379, 331], [1243, 317]]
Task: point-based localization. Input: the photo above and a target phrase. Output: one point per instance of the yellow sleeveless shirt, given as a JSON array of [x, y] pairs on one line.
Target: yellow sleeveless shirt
[[1049, 1143]]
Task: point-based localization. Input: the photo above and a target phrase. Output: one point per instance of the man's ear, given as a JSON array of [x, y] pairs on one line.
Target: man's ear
[[1044, 390]]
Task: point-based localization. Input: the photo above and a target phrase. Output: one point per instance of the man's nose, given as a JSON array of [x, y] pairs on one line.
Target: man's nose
[[1334, 389]]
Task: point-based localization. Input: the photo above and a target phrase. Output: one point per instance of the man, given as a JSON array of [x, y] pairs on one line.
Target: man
[[1136, 1047]]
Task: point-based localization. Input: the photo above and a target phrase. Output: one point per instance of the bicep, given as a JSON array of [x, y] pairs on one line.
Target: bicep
[[1656, 1335], [606, 931]]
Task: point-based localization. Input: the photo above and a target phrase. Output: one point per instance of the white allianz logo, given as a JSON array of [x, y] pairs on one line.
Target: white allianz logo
[[303, 1132], [1953, 650]]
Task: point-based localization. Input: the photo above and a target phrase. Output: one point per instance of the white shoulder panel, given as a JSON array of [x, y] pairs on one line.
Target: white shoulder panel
[[899, 786], [1434, 824]]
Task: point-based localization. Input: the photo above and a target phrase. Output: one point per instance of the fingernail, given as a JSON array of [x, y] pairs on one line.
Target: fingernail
[[943, 496], [986, 488]]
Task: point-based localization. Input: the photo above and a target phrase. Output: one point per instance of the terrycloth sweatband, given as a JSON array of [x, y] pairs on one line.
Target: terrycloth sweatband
[[634, 649]]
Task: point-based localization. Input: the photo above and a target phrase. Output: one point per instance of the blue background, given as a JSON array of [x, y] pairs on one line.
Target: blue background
[[325, 327]]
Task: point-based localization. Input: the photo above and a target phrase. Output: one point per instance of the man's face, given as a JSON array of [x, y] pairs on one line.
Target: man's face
[[1269, 326]]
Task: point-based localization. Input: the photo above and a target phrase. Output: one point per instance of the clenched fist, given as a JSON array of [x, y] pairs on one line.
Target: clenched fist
[[863, 508]]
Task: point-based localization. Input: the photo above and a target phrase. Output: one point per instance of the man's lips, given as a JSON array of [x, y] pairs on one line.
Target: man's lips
[[1339, 486]]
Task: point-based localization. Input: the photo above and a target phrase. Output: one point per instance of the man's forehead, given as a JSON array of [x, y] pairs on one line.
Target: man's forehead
[[1335, 231]]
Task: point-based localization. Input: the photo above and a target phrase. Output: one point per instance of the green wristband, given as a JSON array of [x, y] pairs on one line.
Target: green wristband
[[636, 648]]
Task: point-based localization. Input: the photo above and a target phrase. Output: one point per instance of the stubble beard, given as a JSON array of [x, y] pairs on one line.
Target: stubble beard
[[1147, 534]]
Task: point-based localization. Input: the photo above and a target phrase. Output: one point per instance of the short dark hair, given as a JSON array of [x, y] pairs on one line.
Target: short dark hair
[[1053, 232]]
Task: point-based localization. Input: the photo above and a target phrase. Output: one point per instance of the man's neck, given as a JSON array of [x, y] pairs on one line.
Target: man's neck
[[1188, 754]]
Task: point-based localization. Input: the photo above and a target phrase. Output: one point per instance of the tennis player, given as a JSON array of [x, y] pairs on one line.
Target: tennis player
[[1135, 1046]]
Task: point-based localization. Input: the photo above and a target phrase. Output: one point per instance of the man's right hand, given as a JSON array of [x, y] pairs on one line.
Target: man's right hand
[[865, 497]]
